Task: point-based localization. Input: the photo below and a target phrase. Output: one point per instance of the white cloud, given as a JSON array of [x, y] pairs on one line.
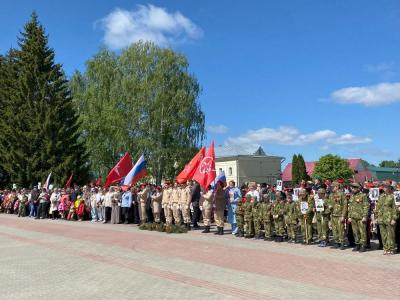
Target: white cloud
[[373, 95], [217, 129], [291, 136], [147, 23], [346, 139]]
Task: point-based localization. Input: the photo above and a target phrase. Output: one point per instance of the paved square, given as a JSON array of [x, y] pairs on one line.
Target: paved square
[[45, 259]]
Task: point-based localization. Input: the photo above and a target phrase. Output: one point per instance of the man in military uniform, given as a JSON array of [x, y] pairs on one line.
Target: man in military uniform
[[156, 199], [278, 212], [386, 215], [186, 194], [266, 215], [175, 200], [166, 203], [23, 200], [257, 218], [248, 216], [306, 214], [291, 214], [322, 213], [338, 202], [239, 214], [358, 213], [206, 202]]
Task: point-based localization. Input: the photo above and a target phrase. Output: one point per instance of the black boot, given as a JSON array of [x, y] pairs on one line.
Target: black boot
[[356, 248], [221, 231], [363, 248], [218, 231], [206, 229], [188, 226], [342, 246]]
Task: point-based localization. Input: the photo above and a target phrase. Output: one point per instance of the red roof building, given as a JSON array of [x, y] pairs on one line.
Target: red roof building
[[360, 172]]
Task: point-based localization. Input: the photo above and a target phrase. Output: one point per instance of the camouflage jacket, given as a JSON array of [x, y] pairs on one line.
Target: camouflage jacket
[[358, 206], [385, 210], [291, 212], [338, 202]]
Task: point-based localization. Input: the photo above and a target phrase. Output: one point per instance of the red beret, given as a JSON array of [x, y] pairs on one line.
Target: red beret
[[340, 181]]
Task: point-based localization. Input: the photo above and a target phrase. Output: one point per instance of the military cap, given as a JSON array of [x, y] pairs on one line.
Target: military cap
[[354, 185], [321, 191]]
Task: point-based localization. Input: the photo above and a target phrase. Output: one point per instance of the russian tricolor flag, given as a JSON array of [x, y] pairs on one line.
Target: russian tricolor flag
[[136, 173]]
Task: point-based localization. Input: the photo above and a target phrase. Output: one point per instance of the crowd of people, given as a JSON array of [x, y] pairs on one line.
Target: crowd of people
[[330, 213]]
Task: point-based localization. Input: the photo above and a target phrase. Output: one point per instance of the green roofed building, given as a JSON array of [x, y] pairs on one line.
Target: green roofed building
[[382, 174]]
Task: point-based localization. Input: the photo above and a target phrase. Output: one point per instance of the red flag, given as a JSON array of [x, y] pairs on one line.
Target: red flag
[[69, 181], [205, 172], [189, 170], [99, 182], [119, 171]]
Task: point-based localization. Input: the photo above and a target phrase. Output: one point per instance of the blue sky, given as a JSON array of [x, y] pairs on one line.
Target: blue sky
[[310, 77]]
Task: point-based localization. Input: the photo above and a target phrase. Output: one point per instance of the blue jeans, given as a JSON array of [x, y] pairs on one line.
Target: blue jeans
[[234, 228], [33, 210], [94, 213]]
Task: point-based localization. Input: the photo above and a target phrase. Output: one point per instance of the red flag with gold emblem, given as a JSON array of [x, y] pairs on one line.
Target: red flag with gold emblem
[[190, 169], [205, 172], [120, 170]]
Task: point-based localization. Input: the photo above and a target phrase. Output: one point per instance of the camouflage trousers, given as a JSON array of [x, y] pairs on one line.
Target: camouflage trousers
[[240, 223], [168, 213], [248, 226], [268, 227], [337, 229], [186, 213], [322, 227], [257, 225], [176, 211], [359, 232], [306, 229], [279, 226], [388, 236], [22, 210], [291, 230]]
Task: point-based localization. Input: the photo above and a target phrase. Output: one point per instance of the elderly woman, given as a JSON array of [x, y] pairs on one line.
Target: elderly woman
[[232, 196]]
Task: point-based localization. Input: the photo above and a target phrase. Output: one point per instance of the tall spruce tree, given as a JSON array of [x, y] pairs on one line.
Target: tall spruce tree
[[295, 169], [301, 168], [39, 131]]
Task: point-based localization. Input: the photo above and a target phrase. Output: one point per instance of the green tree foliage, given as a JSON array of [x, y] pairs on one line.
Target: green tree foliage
[[299, 171], [295, 169], [143, 100], [301, 166], [332, 167], [389, 164], [39, 129]]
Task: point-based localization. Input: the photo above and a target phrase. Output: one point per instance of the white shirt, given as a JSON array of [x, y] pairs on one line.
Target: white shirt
[[254, 193]]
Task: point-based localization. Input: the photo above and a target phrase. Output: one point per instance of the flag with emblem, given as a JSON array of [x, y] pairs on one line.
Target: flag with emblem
[[190, 169], [120, 170], [205, 172]]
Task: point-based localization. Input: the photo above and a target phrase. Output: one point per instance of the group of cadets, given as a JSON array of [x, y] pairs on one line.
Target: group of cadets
[[313, 213], [321, 210]]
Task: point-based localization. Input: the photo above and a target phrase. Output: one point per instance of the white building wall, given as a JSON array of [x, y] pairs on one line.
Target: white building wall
[[230, 169]]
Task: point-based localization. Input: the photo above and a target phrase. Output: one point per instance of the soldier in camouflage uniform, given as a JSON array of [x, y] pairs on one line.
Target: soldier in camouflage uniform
[[306, 214], [358, 214], [386, 215], [322, 216], [239, 214], [257, 218], [248, 217], [266, 216], [291, 214], [22, 204], [278, 213], [338, 203]]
